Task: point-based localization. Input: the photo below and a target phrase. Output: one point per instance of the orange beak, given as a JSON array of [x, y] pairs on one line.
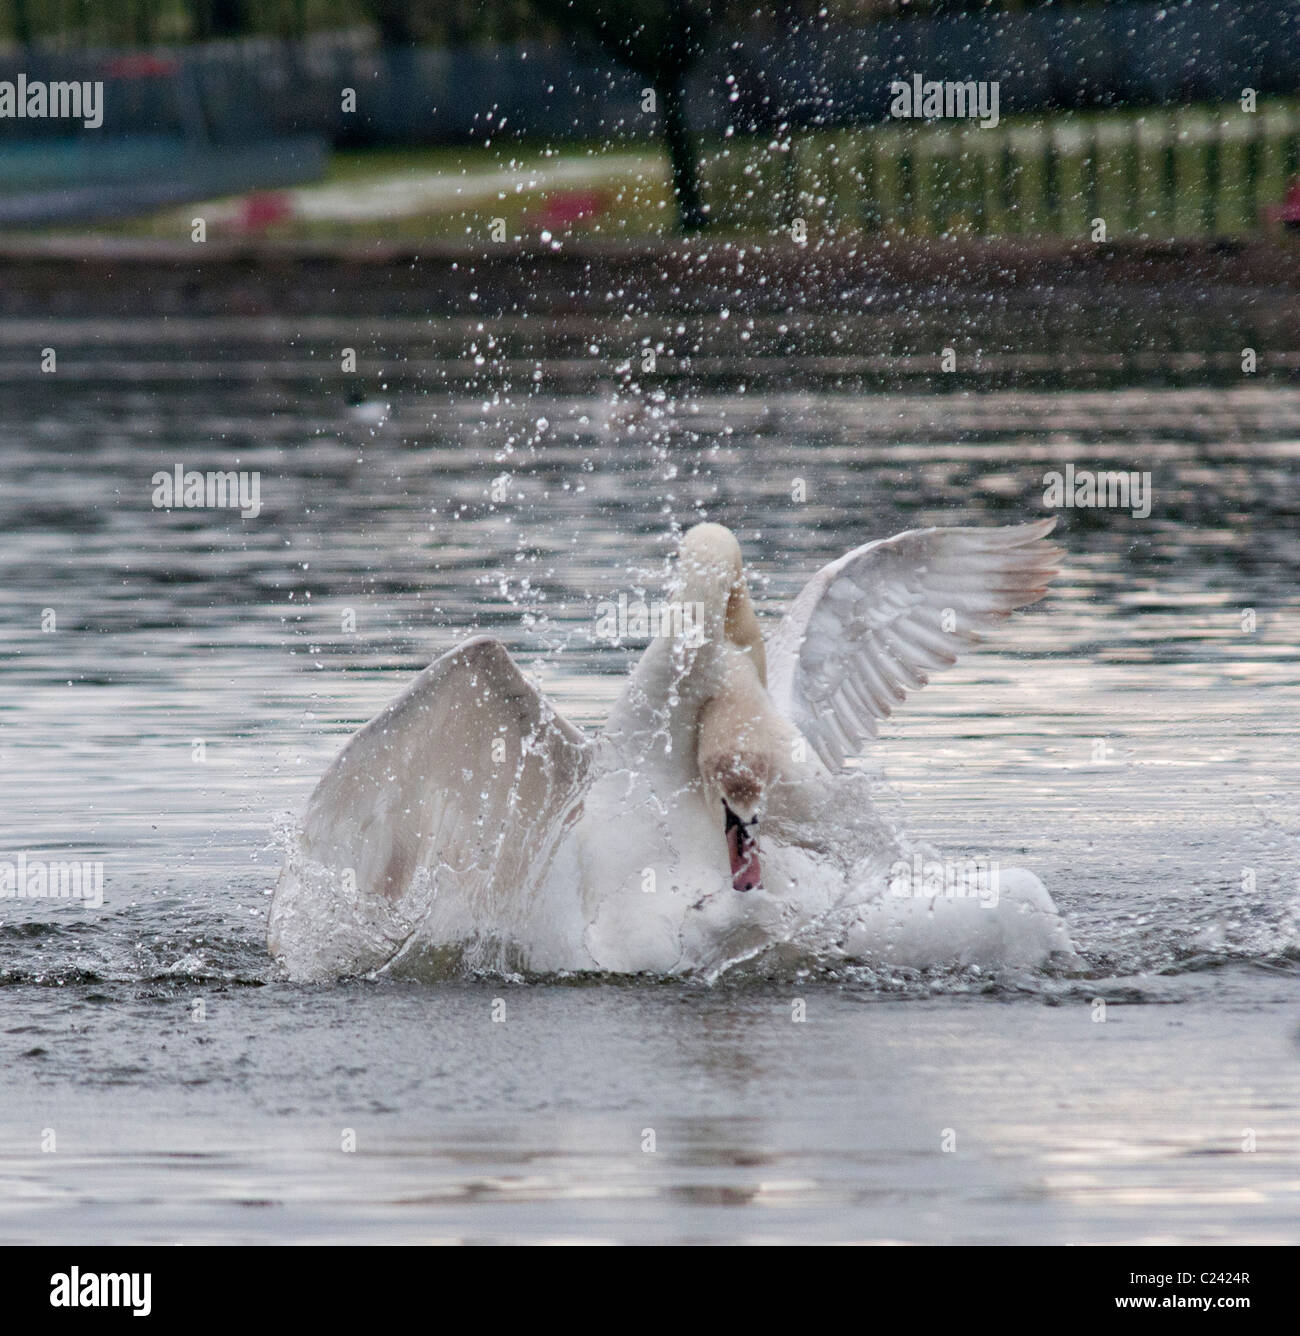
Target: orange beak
[[746, 875]]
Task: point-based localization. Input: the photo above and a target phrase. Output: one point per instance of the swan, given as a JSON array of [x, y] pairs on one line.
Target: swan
[[469, 826]]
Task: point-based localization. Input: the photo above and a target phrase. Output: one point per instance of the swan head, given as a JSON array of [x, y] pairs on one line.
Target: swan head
[[742, 793], [735, 762]]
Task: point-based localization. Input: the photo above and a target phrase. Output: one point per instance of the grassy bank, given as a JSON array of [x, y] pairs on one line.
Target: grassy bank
[[1148, 174], [1155, 173]]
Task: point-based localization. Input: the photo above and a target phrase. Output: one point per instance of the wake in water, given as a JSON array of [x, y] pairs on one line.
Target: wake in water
[[811, 916]]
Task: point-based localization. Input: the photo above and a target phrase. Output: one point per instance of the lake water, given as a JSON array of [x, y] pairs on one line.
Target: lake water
[[177, 681]]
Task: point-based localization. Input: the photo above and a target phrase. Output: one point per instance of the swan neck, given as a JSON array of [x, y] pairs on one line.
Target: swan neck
[[742, 629]]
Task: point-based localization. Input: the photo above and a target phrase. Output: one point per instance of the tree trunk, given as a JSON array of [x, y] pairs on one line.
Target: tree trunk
[[395, 21], [681, 154], [227, 18], [143, 26]]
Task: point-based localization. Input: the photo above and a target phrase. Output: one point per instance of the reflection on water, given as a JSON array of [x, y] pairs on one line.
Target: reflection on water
[[178, 680], [598, 1114]]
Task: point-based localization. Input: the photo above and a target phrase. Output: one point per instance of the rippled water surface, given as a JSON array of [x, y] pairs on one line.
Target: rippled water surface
[[177, 680]]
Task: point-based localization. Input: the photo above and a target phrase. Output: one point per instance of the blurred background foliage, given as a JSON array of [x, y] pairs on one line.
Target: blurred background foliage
[[1124, 109], [450, 22]]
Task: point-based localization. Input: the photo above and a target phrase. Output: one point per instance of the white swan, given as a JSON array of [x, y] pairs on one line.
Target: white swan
[[468, 825]]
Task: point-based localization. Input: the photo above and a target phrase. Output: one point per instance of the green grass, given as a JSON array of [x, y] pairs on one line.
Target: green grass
[[638, 203], [1147, 173]]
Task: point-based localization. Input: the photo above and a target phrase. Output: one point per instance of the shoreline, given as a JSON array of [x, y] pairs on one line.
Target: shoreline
[[144, 276], [868, 313]]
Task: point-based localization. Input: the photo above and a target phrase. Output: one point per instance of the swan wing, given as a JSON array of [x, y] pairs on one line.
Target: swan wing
[[447, 802], [872, 625]]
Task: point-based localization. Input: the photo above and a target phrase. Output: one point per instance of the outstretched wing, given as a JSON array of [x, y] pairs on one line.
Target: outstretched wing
[[874, 623], [446, 804]]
